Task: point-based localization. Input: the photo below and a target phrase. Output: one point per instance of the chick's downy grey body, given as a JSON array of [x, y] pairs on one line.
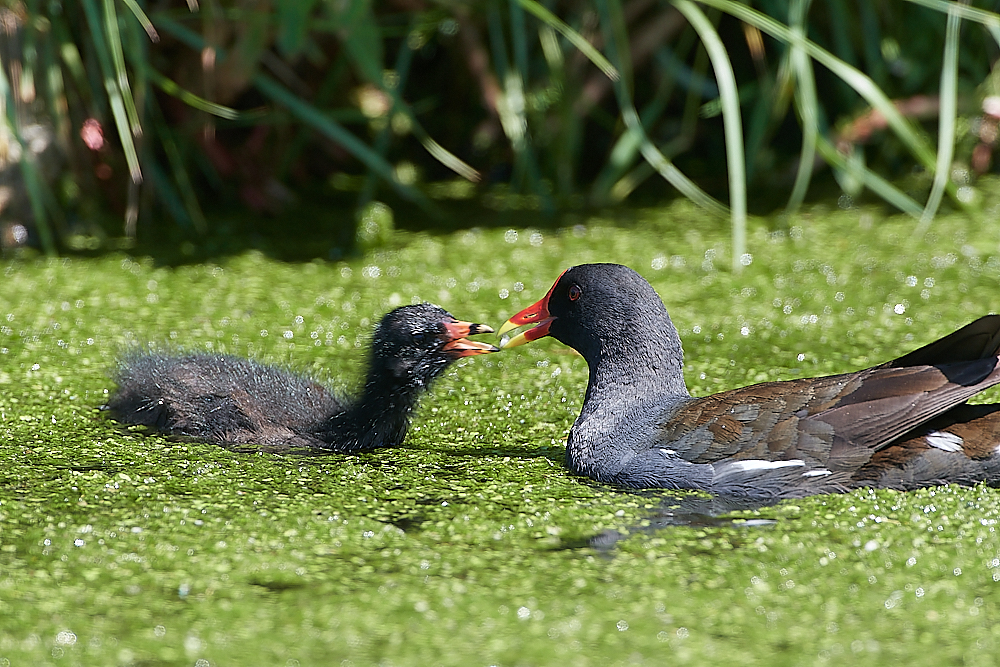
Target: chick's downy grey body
[[234, 401]]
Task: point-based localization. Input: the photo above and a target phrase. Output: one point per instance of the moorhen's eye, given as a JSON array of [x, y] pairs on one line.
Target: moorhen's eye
[[574, 292], [419, 337]]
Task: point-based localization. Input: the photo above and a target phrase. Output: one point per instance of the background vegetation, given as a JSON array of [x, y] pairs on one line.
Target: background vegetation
[[163, 113]]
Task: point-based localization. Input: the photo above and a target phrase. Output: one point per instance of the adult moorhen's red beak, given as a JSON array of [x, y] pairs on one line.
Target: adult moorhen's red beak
[[537, 314], [457, 343]]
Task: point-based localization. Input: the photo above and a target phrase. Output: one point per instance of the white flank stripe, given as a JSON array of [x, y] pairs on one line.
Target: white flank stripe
[[818, 472], [947, 442], [755, 464]]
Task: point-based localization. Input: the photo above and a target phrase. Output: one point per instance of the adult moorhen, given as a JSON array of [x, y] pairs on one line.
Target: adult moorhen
[[902, 425], [232, 401]]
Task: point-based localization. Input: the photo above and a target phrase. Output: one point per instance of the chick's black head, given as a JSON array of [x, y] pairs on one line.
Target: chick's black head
[[415, 344]]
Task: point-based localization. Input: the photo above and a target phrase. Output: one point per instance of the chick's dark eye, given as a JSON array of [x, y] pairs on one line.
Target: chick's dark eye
[[574, 292], [419, 337]]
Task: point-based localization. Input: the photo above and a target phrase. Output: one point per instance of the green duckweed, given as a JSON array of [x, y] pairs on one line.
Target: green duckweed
[[471, 544]]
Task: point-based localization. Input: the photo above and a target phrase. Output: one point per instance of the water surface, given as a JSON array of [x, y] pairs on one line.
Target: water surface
[[472, 544]]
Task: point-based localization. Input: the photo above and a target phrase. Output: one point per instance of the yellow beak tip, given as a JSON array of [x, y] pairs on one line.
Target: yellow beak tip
[[507, 326], [512, 342]]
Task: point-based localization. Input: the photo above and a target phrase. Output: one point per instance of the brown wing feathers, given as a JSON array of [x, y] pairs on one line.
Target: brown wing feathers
[[836, 421]]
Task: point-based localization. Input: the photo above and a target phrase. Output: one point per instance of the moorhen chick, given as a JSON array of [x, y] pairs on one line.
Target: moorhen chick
[[232, 401], [901, 425]]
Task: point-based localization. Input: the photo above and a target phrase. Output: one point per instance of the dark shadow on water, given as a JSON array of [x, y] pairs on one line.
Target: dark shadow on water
[[685, 510], [319, 223], [276, 585], [408, 524], [322, 227]]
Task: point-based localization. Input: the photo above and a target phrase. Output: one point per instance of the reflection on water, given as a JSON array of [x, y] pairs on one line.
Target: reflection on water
[[686, 510]]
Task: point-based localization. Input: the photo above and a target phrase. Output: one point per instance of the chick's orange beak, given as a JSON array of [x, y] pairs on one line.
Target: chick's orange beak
[[457, 343]]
